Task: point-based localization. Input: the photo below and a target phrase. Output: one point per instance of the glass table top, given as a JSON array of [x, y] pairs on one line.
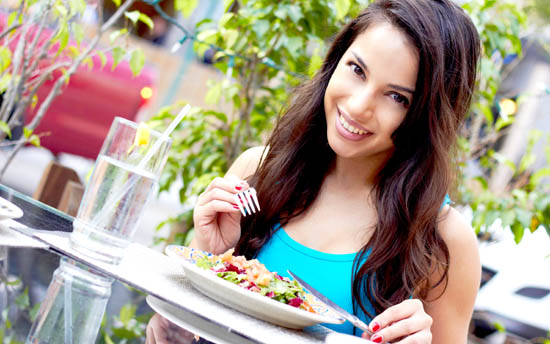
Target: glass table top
[[27, 283]]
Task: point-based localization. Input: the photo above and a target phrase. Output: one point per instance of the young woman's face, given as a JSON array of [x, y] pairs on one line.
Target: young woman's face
[[369, 93]]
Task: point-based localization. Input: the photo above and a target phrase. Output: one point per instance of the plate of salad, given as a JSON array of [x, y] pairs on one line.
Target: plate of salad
[[246, 285]]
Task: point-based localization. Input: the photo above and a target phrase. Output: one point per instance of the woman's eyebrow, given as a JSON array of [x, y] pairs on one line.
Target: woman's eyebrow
[[364, 65]]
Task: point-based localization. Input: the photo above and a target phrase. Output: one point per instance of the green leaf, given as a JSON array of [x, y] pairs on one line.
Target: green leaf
[[186, 7], [539, 175], [65, 73], [527, 161], [114, 35], [102, 57], [33, 313], [214, 94], [524, 217], [5, 128], [77, 6], [61, 10], [4, 82], [502, 159], [133, 16], [499, 327], [63, 37], [108, 339], [518, 229], [34, 140], [507, 218], [145, 19], [22, 301], [137, 61], [118, 55], [227, 4], [11, 18], [78, 32], [27, 132], [342, 8], [5, 58], [295, 13], [260, 27], [501, 123], [34, 101], [127, 313], [294, 46]]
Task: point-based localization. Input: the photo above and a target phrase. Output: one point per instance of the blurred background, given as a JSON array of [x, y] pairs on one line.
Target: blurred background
[[236, 63]]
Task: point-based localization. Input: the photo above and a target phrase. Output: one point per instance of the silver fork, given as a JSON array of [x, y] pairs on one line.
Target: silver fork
[[247, 201]]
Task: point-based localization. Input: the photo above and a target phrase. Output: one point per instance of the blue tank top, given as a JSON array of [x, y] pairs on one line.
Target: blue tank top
[[331, 274]]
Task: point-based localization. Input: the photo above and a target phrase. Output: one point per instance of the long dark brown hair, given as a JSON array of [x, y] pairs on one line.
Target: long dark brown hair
[[405, 248]]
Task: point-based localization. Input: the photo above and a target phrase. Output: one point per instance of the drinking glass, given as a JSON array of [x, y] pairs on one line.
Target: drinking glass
[[74, 306], [124, 179]]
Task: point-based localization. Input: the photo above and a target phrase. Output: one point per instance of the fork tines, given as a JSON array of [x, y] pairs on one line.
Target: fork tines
[[247, 201]]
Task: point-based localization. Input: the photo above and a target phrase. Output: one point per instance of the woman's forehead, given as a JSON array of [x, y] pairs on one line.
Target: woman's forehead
[[384, 48]]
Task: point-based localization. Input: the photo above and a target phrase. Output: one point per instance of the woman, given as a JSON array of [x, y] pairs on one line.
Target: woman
[[353, 182]]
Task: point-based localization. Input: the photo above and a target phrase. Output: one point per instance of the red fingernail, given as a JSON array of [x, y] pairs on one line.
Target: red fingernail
[[238, 187], [376, 338], [235, 206], [375, 326]]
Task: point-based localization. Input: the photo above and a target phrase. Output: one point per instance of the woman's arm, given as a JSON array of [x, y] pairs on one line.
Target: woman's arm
[[445, 319], [452, 312]]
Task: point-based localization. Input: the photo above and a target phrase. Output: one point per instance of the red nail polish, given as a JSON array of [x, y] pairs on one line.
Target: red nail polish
[[375, 327], [376, 338], [238, 187]]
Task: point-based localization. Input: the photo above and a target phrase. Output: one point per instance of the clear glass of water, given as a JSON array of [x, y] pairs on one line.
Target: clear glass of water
[[119, 189], [73, 307]]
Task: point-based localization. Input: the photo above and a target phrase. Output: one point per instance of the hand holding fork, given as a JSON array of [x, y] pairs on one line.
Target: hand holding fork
[[247, 201]]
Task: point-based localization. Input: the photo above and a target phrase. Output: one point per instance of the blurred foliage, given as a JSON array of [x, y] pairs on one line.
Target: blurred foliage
[[16, 312], [44, 41], [254, 38]]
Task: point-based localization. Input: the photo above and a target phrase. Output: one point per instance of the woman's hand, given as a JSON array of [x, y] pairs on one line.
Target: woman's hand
[[162, 331], [217, 217], [406, 322]]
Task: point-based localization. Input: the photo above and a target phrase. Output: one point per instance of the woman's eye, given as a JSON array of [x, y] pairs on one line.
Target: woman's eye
[[356, 69], [400, 99]]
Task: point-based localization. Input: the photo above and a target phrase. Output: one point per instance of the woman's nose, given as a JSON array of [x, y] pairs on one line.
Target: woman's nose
[[361, 103]]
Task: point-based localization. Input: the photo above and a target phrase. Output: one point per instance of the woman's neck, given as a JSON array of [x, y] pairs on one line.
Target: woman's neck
[[355, 174]]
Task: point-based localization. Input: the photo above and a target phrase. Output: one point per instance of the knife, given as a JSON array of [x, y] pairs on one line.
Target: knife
[[355, 321]]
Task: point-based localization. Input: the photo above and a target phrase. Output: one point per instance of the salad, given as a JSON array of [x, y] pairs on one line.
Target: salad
[[254, 276]]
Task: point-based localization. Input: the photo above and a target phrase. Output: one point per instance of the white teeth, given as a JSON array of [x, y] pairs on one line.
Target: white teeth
[[351, 128]]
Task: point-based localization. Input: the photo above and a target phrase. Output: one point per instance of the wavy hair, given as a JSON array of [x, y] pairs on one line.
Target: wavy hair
[[405, 248]]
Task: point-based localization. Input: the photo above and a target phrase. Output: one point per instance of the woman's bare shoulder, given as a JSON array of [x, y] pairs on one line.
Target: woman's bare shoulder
[[247, 163], [454, 301], [454, 229]]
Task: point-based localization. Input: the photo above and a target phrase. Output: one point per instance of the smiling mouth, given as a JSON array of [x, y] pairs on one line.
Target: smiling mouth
[[350, 127]]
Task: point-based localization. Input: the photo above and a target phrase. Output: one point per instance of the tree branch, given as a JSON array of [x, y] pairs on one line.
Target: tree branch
[[57, 85]]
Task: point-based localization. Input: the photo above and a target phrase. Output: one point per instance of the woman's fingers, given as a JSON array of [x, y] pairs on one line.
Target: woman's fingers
[[162, 331], [402, 320], [229, 183], [216, 194]]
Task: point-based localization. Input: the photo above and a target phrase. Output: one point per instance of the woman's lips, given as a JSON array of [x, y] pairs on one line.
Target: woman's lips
[[345, 127]]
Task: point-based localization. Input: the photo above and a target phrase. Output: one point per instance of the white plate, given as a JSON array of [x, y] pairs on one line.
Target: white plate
[[9, 210], [246, 301]]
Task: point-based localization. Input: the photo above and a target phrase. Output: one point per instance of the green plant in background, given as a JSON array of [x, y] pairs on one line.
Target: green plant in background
[[42, 40], [19, 311], [127, 327], [266, 48], [523, 203]]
